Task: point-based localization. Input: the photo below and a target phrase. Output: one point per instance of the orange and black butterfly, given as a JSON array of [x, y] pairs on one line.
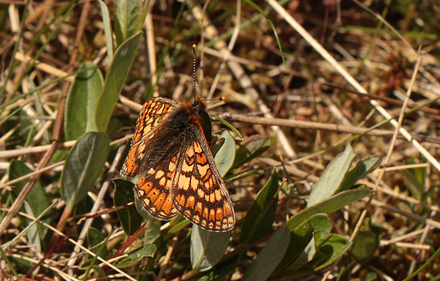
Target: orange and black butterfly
[[177, 171]]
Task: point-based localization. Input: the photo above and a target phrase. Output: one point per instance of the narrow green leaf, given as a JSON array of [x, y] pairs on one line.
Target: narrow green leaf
[[37, 198], [33, 233], [362, 168], [261, 214], [268, 258], [226, 154], [135, 256], [17, 110], [207, 248], [328, 206], [414, 184], [332, 177], [115, 80], [130, 219], [83, 166], [227, 124], [127, 14], [81, 101], [107, 29], [250, 149]]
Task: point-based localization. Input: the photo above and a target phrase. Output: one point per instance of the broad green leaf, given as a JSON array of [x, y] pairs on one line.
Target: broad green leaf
[[268, 258], [260, 216], [226, 154], [332, 177], [135, 256], [328, 206], [127, 14], [207, 248], [250, 149], [364, 246], [328, 247], [83, 166], [107, 29], [331, 247], [81, 101], [301, 236], [305, 256], [220, 271], [95, 238], [153, 232], [83, 208], [130, 219], [362, 168], [366, 241], [37, 198], [115, 80]]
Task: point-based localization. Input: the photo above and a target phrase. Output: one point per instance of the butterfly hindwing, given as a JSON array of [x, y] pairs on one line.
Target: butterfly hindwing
[[199, 192], [153, 188]]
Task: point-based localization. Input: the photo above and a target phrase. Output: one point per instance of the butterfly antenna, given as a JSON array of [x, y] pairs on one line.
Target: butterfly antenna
[[194, 70]]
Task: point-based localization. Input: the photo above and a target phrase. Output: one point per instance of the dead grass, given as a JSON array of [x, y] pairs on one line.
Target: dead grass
[[345, 65]]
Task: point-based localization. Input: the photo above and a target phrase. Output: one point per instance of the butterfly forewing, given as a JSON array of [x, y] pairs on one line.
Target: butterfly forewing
[[152, 115]]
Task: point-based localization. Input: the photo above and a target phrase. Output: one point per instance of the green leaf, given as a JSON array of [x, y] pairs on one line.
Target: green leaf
[[416, 181], [227, 124], [364, 245], [127, 14], [135, 256], [249, 150], [81, 101], [261, 214], [207, 248], [83, 166], [362, 168], [268, 258], [107, 29], [130, 219], [366, 241], [115, 80], [332, 177], [301, 236], [153, 232], [15, 111], [94, 238], [331, 247], [226, 154], [37, 198], [306, 255], [328, 247], [33, 233], [328, 206]]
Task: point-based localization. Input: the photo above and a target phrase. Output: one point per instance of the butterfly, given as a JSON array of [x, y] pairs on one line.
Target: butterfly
[[177, 171]]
